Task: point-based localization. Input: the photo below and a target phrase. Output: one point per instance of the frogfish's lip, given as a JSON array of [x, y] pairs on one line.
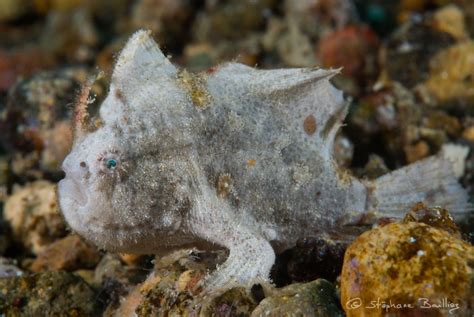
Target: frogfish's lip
[[72, 190]]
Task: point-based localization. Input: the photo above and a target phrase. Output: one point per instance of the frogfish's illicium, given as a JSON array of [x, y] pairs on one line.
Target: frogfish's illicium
[[234, 157]]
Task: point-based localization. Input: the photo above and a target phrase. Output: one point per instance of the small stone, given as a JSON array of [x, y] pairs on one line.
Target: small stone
[[467, 8], [468, 133], [310, 259], [313, 299], [8, 268], [34, 217], [375, 167], [132, 259], [353, 48], [14, 9], [417, 151], [440, 120], [450, 19], [452, 74], [436, 217], [70, 253], [111, 267], [407, 264], [406, 56], [367, 117], [234, 302], [86, 275]]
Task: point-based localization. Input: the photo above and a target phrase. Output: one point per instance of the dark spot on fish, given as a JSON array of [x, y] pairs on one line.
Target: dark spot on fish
[[83, 164], [119, 94], [309, 125], [121, 97]]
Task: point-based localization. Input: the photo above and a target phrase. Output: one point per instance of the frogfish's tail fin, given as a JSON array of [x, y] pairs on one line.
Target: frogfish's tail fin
[[433, 181]]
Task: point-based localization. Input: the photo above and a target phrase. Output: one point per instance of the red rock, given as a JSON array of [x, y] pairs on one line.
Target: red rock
[[21, 62], [351, 48]]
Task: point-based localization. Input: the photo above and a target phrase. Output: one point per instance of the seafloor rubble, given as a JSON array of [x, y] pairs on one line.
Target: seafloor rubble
[[408, 72]]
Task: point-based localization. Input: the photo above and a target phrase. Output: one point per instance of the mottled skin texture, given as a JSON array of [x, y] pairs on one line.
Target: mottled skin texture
[[236, 157]]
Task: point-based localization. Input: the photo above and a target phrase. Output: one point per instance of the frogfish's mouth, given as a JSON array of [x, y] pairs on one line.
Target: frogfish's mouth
[[69, 189]]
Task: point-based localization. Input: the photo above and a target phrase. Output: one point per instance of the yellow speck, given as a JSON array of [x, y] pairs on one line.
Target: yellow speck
[[196, 89]]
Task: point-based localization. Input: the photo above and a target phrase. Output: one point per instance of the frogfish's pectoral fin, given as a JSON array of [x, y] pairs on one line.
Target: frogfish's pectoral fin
[[250, 255]]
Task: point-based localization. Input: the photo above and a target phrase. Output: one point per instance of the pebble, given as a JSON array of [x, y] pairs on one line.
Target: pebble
[[70, 253], [452, 75], [8, 268], [406, 55], [407, 264], [313, 299], [33, 214], [310, 259], [353, 48]]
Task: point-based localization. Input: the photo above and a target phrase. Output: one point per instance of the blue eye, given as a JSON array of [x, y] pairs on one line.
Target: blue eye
[[111, 163]]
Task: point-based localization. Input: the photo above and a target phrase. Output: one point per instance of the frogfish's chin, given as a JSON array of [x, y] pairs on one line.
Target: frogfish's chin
[[71, 191]]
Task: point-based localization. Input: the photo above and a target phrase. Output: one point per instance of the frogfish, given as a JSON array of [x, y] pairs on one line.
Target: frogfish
[[233, 157]]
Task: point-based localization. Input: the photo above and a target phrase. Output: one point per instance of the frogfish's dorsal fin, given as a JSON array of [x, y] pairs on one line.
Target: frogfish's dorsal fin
[[305, 97], [140, 68], [142, 60]]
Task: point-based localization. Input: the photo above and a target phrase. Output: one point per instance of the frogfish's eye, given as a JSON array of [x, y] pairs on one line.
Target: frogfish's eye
[[111, 163]]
